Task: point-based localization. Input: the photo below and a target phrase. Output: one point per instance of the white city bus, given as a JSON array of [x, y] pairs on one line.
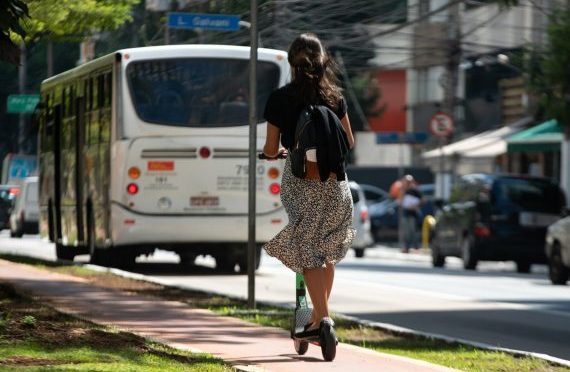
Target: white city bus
[[147, 148]]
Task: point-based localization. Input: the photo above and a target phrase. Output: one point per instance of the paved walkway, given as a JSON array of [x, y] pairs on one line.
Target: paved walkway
[[247, 346]]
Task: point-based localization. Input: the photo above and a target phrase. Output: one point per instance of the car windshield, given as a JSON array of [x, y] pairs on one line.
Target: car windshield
[[198, 92], [528, 194]]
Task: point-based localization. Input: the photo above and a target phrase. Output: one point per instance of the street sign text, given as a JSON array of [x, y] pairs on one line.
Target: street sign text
[[220, 22]]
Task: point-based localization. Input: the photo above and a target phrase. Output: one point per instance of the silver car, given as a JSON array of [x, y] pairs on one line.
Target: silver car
[[25, 214], [558, 250], [360, 220]]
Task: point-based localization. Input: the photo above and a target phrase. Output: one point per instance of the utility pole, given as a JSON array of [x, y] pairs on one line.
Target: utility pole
[[22, 90], [252, 174], [451, 81]]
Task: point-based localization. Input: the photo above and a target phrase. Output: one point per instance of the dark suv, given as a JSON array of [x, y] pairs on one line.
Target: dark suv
[[7, 196], [496, 218]]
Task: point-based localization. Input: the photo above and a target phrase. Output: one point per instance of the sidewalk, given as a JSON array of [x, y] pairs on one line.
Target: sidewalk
[[244, 345]]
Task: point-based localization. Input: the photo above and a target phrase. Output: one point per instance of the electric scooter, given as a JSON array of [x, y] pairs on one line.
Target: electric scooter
[[324, 336]]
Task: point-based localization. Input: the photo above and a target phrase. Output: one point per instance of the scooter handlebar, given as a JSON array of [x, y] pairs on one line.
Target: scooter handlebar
[[262, 156]]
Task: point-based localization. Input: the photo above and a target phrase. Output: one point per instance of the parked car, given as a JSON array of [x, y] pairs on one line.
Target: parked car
[[384, 215], [496, 218], [558, 249], [7, 195], [374, 194], [360, 220], [25, 214]]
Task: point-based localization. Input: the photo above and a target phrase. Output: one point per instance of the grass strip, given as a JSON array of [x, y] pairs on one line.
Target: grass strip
[[439, 352], [34, 337]]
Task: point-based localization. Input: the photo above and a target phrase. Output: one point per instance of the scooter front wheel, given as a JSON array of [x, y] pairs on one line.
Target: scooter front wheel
[[328, 342], [301, 347]]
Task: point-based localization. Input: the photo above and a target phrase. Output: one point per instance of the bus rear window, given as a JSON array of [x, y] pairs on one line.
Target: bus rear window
[[529, 195], [198, 92]]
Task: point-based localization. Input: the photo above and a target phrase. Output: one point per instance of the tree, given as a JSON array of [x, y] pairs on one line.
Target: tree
[[76, 19], [550, 69], [11, 12]]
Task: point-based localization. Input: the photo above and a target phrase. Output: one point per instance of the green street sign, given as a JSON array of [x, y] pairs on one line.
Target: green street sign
[[22, 103]]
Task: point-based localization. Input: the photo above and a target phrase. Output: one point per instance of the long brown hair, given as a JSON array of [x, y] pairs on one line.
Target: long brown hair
[[313, 71]]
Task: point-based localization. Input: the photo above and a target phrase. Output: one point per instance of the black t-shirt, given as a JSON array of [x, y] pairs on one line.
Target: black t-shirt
[[283, 109]]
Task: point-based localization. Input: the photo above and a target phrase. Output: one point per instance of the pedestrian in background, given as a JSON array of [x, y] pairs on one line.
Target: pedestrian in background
[[319, 206], [410, 201]]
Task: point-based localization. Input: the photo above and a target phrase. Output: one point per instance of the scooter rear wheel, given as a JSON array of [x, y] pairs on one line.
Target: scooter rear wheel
[[301, 347]]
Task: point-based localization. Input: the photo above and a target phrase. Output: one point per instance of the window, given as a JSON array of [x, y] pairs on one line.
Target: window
[[528, 194], [100, 91], [94, 93], [198, 92], [108, 89]]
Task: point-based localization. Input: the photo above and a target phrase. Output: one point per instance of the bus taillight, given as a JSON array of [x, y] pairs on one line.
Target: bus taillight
[[204, 152], [275, 188], [273, 172], [134, 173], [132, 188]]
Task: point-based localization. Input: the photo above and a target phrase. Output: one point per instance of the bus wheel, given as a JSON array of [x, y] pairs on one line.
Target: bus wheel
[[99, 256], [187, 259], [225, 264], [124, 259], [242, 261], [64, 252]]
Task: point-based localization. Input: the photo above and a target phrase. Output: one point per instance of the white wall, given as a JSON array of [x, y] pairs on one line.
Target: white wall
[[368, 152], [510, 28], [394, 49]]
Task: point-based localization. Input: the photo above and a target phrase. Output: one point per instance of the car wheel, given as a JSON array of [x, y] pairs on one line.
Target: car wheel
[[468, 253], [557, 272], [15, 232], [359, 252], [523, 267], [437, 259], [63, 252]]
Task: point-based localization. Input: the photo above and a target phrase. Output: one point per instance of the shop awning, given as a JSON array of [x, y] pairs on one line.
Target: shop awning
[[487, 144], [541, 138]]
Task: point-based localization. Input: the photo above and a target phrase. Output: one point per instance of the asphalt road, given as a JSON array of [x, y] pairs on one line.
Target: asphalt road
[[494, 305]]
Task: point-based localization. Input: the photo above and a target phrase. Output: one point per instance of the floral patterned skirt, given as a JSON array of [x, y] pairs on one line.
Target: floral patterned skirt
[[320, 222]]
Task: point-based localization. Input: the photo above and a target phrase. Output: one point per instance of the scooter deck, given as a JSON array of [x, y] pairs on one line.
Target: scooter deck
[[302, 310]]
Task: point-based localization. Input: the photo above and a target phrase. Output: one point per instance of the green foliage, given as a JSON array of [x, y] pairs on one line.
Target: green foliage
[[368, 92], [29, 321], [11, 12], [76, 19], [549, 69]]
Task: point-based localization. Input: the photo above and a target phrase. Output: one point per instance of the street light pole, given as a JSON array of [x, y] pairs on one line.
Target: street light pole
[[251, 246]]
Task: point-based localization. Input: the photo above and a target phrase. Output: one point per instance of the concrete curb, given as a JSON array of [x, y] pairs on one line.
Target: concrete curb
[[394, 329]]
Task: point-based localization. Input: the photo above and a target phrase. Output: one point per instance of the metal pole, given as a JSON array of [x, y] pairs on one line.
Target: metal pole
[[400, 209], [251, 246], [442, 169]]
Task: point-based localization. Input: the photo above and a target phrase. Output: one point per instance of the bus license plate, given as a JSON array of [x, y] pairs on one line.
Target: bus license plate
[[204, 201]]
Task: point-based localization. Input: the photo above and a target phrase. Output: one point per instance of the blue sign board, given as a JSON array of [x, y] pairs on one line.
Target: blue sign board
[[220, 22], [401, 137]]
